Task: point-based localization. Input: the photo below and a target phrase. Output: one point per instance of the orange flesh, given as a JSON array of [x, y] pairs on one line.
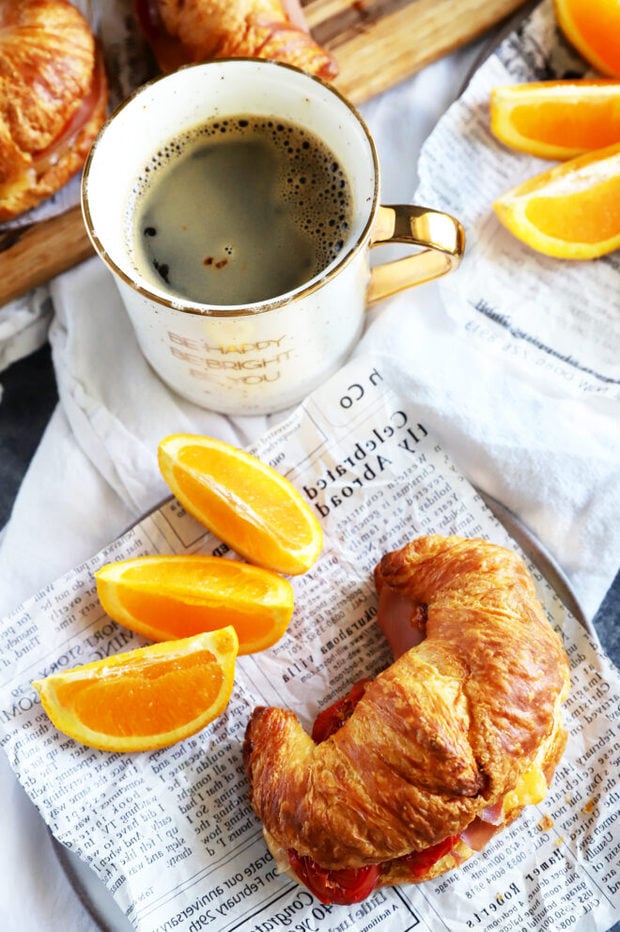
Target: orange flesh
[[176, 692], [594, 128], [596, 25], [590, 216], [156, 611], [232, 579], [247, 485], [243, 501]]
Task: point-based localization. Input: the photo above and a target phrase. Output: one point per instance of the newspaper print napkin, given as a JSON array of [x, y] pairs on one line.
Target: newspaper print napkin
[[559, 318]]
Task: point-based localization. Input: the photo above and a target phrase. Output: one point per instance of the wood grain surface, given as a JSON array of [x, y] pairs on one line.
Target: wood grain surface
[[377, 43]]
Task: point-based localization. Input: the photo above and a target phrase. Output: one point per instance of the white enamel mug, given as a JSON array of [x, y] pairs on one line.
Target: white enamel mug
[[262, 357]]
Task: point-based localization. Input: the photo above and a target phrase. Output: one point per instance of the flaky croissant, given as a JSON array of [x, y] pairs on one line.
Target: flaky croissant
[[443, 748], [184, 31], [53, 99]]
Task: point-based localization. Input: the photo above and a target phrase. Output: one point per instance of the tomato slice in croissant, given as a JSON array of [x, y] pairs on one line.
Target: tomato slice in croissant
[[338, 887], [418, 767], [352, 885], [334, 716], [420, 862]]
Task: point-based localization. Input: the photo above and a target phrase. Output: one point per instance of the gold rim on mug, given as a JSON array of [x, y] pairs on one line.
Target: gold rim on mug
[[441, 238]]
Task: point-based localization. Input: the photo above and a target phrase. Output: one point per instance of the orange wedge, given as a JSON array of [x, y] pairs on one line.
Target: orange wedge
[[146, 698], [247, 504], [572, 210], [556, 119], [593, 27], [176, 596]]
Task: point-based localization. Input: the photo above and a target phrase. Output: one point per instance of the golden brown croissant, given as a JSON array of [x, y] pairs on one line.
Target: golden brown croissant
[[443, 748], [53, 99], [184, 31]]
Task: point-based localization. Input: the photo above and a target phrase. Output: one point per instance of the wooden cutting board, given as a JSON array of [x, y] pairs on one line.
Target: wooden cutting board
[[377, 44]]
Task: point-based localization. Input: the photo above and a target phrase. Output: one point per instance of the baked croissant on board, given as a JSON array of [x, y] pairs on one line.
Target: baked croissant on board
[[420, 766], [184, 31], [53, 99]]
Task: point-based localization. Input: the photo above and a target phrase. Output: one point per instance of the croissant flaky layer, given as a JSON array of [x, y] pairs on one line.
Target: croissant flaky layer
[[184, 31], [53, 99], [441, 738]]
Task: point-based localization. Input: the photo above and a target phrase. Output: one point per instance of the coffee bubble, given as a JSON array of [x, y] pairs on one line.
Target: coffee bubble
[[262, 202]]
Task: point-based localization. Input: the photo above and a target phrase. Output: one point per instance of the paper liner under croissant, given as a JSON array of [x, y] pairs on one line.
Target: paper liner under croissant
[[439, 737]]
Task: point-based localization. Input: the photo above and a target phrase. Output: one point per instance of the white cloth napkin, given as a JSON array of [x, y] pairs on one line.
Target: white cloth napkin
[[96, 470], [545, 456], [24, 325]]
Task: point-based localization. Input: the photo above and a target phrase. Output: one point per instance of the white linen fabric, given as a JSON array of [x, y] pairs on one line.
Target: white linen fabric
[[24, 325], [546, 457]]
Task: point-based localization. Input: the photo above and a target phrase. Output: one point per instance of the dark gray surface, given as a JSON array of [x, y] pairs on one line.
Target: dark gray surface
[[27, 404], [29, 397]]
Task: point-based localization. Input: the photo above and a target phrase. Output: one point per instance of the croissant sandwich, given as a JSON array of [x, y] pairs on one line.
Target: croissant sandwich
[[53, 99], [184, 31], [418, 768]]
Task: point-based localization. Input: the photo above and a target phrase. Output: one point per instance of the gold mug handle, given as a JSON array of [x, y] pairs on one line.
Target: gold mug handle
[[440, 235]]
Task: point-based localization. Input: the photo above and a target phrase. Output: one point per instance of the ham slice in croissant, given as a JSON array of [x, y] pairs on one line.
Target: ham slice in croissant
[[53, 99], [184, 31], [443, 748]]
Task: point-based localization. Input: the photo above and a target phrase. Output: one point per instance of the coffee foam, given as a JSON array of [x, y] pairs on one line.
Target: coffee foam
[[311, 181]]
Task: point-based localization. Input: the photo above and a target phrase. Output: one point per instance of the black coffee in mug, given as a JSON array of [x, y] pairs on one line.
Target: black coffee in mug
[[239, 210]]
